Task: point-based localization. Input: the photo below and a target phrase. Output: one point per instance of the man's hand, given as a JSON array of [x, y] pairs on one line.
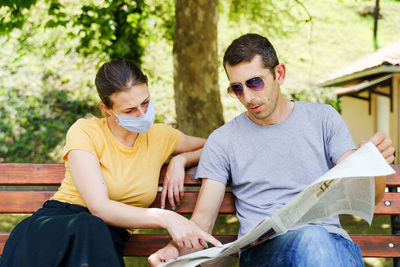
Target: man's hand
[[167, 253], [384, 145]]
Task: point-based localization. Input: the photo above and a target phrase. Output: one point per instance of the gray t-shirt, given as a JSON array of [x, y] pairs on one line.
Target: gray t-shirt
[[269, 165]]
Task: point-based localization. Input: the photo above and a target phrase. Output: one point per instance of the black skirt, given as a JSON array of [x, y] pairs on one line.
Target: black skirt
[[63, 234]]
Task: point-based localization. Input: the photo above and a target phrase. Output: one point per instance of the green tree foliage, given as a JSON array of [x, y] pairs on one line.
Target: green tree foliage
[[48, 56], [276, 17], [108, 28], [114, 28], [13, 14], [42, 93], [32, 128]]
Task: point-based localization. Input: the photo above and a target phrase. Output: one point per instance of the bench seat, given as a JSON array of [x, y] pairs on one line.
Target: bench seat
[[25, 186]]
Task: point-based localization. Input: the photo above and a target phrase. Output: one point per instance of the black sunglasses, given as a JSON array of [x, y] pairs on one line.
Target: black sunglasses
[[255, 83]]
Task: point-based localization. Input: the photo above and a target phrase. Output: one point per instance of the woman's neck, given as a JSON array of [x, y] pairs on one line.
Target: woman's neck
[[124, 136]]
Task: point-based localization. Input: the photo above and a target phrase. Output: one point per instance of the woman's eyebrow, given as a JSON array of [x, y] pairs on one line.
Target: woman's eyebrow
[[133, 108], [129, 108]]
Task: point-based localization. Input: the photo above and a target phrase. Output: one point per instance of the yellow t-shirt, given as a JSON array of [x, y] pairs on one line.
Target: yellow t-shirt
[[131, 173]]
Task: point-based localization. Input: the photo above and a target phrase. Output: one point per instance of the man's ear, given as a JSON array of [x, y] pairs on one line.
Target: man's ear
[[280, 73], [105, 109]]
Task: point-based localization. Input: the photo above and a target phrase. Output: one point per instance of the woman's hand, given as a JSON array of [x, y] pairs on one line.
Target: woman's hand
[[173, 182], [187, 154], [187, 234]]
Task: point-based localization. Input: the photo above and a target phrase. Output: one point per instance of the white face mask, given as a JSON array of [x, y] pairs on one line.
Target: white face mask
[[138, 124]]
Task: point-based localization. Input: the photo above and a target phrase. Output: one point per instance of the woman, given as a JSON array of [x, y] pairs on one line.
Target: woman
[[112, 169]]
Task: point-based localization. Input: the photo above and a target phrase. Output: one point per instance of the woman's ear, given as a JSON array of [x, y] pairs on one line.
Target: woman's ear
[[105, 109]]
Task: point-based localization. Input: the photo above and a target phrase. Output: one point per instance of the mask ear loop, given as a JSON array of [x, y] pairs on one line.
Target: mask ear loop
[[115, 116]]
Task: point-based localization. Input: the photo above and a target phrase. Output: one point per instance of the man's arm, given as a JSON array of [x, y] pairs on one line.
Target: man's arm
[[208, 204], [384, 145], [204, 215]]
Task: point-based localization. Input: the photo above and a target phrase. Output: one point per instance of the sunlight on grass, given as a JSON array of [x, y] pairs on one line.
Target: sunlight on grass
[[8, 221], [376, 262]]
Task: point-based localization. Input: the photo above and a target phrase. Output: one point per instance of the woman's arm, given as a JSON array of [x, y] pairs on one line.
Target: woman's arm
[[188, 147], [89, 181], [204, 215], [186, 154]]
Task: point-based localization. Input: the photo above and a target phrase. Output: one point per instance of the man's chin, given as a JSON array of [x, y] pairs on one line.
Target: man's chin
[[257, 116]]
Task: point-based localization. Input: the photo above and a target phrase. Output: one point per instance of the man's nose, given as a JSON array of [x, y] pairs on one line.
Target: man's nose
[[248, 94]]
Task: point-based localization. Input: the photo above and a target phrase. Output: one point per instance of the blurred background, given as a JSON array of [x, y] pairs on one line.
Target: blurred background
[[50, 51]]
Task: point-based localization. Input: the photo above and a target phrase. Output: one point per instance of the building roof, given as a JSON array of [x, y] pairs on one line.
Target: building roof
[[384, 60], [363, 85]]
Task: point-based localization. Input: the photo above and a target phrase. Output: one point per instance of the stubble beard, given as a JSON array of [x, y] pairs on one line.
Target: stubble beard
[[266, 113]]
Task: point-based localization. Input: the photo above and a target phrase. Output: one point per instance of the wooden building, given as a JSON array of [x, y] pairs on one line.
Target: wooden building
[[369, 93]]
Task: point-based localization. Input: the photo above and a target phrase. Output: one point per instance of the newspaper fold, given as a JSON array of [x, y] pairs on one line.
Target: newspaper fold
[[347, 188]]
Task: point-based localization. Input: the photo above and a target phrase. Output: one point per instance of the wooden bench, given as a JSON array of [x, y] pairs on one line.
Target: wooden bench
[[24, 187]]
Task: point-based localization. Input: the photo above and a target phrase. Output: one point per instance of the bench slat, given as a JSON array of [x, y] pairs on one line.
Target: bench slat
[[30, 201], [371, 245], [189, 201], [53, 174], [23, 201], [394, 179], [378, 245], [3, 239], [135, 247], [394, 208], [31, 173]]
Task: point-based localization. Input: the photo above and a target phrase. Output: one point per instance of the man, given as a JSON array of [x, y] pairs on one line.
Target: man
[[271, 153]]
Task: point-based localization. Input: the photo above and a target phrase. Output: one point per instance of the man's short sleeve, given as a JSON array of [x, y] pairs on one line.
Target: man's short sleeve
[[338, 138], [214, 161]]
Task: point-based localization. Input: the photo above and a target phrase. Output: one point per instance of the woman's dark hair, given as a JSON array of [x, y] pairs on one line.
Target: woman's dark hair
[[115, 76], [244, 48]]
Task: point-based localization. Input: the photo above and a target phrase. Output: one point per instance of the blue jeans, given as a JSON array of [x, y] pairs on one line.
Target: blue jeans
[[307, 246]]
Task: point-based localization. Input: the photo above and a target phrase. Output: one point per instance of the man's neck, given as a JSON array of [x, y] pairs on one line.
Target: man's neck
[[282, 112]]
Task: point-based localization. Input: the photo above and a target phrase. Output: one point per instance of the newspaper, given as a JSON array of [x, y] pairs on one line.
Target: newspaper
[[347, 188]]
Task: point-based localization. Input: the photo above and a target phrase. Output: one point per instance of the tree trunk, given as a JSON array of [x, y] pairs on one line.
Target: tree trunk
[[197, 98], [376, 17]]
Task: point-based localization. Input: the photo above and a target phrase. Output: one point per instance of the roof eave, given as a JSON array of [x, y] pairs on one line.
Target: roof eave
[[340, 80]]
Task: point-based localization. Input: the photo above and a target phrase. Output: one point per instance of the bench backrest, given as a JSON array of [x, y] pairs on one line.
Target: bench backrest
[[24, 187]]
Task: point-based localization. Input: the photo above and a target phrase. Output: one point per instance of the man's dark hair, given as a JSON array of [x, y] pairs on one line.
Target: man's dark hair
[[115, 76], [244, 48]]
